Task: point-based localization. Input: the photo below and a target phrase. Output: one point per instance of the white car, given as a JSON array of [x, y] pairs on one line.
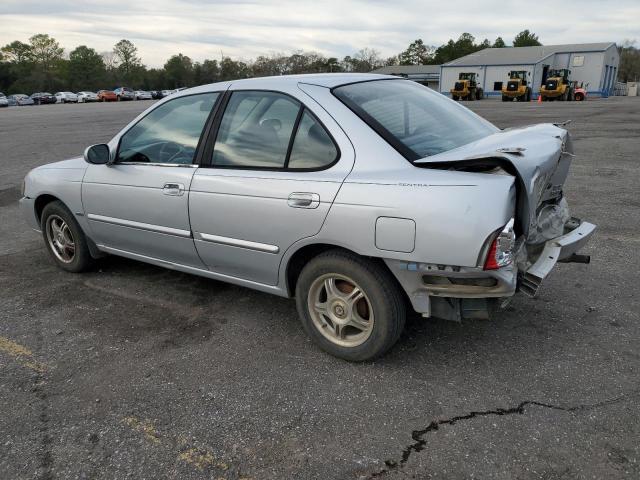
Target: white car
[[84, 97], [66, 97], [142, 95], [3, 101], [166, 93]]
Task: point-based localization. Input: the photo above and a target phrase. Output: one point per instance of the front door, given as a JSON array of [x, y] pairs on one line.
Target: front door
[[273, 175], [140, 203]]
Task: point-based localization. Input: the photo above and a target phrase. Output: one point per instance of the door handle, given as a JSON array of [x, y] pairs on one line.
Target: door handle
[[175, 189], [303, 200]]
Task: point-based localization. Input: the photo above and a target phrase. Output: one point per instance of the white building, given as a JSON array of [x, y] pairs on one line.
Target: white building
[[595, 65]]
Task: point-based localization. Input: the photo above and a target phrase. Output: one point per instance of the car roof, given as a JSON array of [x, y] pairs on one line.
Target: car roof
[[328, 80]]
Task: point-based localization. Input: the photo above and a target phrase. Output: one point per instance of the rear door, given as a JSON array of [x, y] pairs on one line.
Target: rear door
[[271, 173], [139, 204]]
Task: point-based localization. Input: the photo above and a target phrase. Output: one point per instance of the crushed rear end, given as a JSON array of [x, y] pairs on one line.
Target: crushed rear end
[[542, 232]]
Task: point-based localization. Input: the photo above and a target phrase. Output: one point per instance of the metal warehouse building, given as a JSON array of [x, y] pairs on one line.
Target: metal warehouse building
[[428, 75], [594, 64]]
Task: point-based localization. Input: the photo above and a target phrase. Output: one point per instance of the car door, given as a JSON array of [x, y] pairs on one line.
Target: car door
[[272, 173], [139, 204]]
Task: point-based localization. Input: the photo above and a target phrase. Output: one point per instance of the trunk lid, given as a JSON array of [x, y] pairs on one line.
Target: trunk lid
[[539, 156]]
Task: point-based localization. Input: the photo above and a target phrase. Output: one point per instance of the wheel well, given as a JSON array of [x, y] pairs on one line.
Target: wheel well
[[300, 258], [42, 202]]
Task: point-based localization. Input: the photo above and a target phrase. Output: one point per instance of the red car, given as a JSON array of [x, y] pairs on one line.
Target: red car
[[107, 96]]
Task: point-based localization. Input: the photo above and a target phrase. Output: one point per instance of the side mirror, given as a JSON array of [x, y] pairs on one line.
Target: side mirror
[[97, 154]]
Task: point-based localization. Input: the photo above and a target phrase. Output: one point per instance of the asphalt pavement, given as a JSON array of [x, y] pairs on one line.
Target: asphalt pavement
[[133, 371]]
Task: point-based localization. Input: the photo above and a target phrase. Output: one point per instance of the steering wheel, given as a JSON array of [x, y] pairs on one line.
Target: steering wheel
[[169, 151]]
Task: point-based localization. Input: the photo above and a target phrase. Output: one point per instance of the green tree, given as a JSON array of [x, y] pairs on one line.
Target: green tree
[[231, 69], [629, 70], [526, 39], [46, 54], [499, 43], [417, 53], [179, 71], [129, 64], [17, 52], [206, 72], [451, 50], [86, 70]]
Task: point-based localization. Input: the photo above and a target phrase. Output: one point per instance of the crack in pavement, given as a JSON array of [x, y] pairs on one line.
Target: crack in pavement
[[420, 442]]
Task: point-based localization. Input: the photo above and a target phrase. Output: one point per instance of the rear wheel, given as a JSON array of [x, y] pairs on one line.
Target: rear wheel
[[64, 238], [351, 307], [579, 97], [505, 98], [455, 97]]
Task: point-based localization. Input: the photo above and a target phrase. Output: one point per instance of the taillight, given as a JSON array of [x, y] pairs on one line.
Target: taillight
[[500, 252]]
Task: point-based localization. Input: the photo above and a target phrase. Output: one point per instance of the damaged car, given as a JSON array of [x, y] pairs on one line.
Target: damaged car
[[356, 194]]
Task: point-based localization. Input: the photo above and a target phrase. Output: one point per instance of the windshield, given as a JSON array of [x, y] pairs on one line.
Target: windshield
[[415, 120]]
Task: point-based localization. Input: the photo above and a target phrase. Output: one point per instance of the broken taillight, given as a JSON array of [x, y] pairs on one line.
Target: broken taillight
[[500, 252]]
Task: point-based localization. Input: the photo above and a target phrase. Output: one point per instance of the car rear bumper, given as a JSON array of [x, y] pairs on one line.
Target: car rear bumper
[[423, 282], [555, 250]]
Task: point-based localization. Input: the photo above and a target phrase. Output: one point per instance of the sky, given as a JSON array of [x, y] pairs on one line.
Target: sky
[[244, 29]]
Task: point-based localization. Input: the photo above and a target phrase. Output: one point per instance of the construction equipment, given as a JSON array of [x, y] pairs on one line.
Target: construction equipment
[[557, 86], [517, 87], [580, 92], [466, 88]]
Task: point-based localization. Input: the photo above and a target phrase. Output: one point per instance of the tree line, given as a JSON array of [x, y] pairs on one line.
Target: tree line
[[42, 65]]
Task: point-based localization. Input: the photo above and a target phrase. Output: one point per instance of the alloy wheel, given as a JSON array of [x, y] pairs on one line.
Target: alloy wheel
[[340, 310], [60, 239]]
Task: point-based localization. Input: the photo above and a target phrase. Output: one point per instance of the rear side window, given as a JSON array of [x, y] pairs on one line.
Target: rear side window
[[268, 130], [312, 146]]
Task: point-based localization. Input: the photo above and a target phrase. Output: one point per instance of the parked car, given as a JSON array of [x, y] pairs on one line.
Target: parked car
[[156, 94], [124, 93], [142, 95], [66, 97], [107, 96], [166, 93], [19, 99], [84, 97], [3, 100], [41, 98], [350, 192]]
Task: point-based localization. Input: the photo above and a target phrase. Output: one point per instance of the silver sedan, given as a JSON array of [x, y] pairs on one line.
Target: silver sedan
[[356, 194]]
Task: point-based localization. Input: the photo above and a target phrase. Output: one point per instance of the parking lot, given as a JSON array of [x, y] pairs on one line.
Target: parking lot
[[133, 371]]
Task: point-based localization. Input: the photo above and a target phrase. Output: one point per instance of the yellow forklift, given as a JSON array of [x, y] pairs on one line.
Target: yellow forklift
[[517, 87], [466, 88], [557, 86]]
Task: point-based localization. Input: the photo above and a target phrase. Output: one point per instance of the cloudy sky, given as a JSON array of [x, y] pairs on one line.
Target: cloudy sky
[[247, 28]]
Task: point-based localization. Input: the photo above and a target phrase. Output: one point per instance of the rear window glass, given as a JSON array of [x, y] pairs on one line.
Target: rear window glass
[[414, 119]]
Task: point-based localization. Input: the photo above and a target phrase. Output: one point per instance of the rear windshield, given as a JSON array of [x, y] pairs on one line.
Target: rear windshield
[[414, 119]]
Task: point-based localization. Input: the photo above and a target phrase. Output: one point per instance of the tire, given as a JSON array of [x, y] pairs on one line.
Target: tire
[[74, 260], [455, 98], [505, 98], [380, 307], [579, 97], [528, 95]]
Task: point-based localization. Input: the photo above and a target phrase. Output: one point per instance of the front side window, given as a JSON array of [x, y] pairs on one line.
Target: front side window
[[414, 119], [170, 133]]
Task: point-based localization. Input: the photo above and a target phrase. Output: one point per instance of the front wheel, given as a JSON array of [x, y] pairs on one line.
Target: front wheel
[[351, 307], [64, 238]]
